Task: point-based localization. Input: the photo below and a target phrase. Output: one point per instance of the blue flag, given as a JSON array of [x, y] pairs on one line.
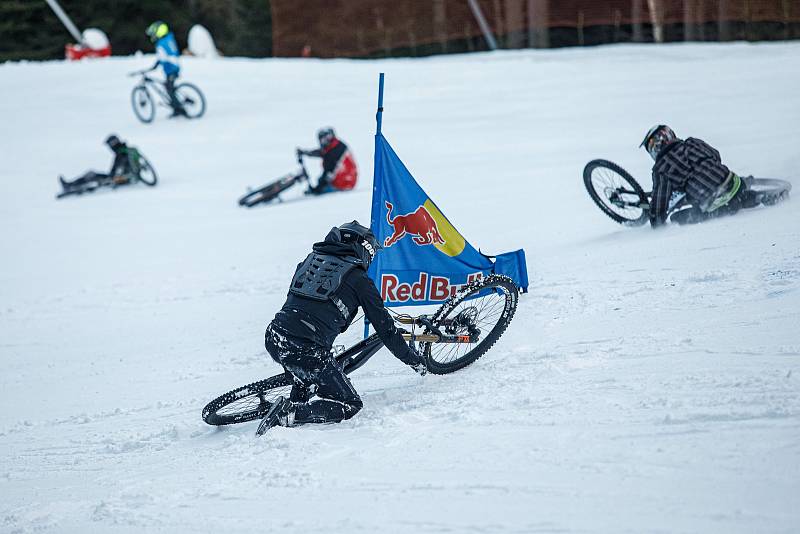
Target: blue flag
[[424, 259]]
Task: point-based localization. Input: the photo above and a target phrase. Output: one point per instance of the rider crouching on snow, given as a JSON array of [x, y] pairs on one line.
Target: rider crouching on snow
[[324, 296], [167, 54], [339, 172], [693, 169], [123, 168]]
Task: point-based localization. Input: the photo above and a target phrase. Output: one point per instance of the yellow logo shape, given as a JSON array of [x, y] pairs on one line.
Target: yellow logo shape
[[453, 241]]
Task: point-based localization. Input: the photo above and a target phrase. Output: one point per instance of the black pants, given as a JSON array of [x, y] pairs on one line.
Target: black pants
[[312, 369], [89, 177], [744, 198], [173, 99]]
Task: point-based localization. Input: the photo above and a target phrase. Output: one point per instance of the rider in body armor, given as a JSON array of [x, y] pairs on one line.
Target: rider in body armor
[[326, 291]]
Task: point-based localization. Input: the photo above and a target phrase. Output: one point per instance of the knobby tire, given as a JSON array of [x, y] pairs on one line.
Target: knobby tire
[[490, 299], [637, 215]]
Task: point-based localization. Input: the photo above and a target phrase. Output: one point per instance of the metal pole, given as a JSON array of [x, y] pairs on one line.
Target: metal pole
[[376, 193], [487, 31], [379, 115], [65, 20]]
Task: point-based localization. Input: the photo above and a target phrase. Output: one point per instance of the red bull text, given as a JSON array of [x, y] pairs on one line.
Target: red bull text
[[426, 288]]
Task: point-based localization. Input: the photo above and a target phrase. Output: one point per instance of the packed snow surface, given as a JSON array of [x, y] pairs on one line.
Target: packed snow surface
[[648, 383]]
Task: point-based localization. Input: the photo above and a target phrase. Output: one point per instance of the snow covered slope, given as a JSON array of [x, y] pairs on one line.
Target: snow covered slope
[[648, 383]]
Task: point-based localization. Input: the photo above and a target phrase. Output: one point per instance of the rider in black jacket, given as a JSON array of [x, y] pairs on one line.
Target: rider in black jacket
[[326, 291], [694, 169], [122, 171]]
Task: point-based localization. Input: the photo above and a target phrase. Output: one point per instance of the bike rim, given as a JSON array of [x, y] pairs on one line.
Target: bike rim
[[254, 403], [484, 309], [143, 104], [190, 99], [147, 175], [610, 186]]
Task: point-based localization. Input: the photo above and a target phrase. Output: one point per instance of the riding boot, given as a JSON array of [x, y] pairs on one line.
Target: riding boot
[[278, 414], [692, 215], [336, 399]]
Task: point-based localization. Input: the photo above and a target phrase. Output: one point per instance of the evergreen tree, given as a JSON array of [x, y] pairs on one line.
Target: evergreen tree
[[30, 30]]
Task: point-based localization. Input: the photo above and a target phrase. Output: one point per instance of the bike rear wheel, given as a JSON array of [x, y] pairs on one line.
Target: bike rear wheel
[[769, 191], [147, 174], [486, 307], [192, 100], [616, 193], [268, 192], [246, 403], [143, 105]]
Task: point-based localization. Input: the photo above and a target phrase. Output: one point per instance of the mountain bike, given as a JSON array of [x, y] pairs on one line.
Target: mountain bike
[[272, 190], [142, 171], [144, 104], [621, 197], [462, 330]]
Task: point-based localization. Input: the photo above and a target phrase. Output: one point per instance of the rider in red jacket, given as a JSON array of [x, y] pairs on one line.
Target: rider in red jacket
[[339, 172]]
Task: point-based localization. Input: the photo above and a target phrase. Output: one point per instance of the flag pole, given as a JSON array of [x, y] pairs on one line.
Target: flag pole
[[379, 115], [376, 194]]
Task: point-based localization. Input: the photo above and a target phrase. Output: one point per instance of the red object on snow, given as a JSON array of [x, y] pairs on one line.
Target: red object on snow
[[76, 51]]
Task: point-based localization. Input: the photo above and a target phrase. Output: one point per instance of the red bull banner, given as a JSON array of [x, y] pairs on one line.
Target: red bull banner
[[424, 259]]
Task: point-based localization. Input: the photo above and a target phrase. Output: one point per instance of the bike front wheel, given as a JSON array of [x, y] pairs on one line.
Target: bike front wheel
[[147, 174], [192, 100], [270, 191], [143, 105], [482, 310], [246, 403], [616, 193]]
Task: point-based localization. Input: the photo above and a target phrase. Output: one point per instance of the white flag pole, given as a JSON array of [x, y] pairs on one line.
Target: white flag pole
[[487, 31], [65, 20]]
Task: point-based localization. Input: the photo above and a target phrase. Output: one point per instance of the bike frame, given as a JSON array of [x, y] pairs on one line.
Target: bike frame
[[158, 86], [357, 355]]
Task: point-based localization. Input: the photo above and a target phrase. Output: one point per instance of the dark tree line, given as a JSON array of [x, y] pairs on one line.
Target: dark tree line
[[30, 30]]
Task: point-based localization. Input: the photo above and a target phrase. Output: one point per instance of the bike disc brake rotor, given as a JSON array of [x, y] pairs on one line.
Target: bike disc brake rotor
[[464, 322]]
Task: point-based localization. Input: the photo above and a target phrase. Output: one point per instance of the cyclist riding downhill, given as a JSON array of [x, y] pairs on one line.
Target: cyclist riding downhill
[[326, 291], [167, 54], [691, 171], [339, 171], [124, 169]]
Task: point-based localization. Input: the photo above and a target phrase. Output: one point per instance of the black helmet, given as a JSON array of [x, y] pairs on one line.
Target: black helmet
[[113, 142], [657, 138], [360, 239], [325, 136]]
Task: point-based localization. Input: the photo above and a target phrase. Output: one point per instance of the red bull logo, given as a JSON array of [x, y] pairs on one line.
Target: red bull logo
[[426, 288], [419, 224]]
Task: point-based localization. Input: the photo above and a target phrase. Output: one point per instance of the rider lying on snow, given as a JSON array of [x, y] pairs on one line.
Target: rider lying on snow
[[324, 296], [167, 54], [339, 171], [691, 169], [124, 169]]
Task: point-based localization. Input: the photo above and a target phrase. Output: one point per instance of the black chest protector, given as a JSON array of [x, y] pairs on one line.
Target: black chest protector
[[320, 275]]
